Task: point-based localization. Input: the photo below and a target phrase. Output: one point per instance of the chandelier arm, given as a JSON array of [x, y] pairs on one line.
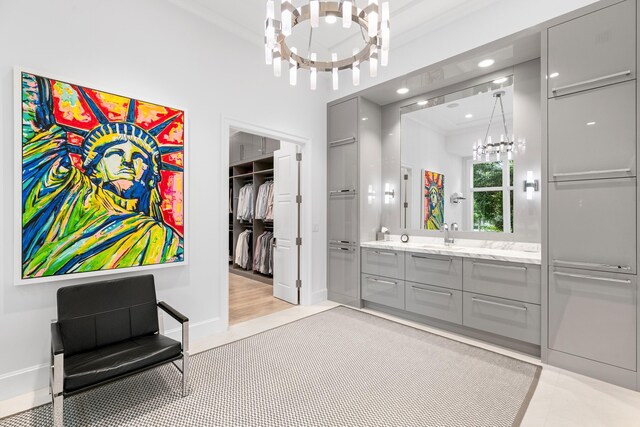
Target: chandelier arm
[[495, 104], [504, 119], [310, 38]]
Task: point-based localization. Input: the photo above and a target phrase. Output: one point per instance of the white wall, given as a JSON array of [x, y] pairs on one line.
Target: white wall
[[158, 52], [500, 19]]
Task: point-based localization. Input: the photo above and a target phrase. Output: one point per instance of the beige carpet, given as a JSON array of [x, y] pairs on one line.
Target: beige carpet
[[340, 367]]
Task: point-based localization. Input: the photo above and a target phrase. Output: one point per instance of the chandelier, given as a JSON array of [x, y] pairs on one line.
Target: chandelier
[[486, 147], [373, 21]]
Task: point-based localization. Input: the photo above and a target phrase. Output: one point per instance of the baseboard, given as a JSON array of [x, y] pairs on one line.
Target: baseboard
[[318, 297]]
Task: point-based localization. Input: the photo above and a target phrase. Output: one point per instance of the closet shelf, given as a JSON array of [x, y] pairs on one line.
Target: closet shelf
[[264, 172], [244, 175]]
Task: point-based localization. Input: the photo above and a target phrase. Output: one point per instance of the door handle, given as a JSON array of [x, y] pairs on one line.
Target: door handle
[[341, 242], [596, 80], [499, 304], [385, 253], [431, 258], [605, 172], [584, 276], [591, 264], [342, 192], [448, 294], [342, 141], [508, 267], [342, 248], [384, 282]]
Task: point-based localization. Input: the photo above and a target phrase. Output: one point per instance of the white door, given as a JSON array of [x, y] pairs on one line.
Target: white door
[[285, 223]]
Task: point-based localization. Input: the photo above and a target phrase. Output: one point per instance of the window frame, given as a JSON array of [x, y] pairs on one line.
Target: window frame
[[506, 188]]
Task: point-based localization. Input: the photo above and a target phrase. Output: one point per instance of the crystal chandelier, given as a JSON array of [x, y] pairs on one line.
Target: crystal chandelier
[[487, 147], [373, 21]]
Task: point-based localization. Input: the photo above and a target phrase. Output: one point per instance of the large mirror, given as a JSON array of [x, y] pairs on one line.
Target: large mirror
[[457, 158]]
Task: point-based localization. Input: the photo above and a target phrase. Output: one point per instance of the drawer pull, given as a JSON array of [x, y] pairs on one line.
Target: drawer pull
[[508, 267], [596, 80], [385, 253], [384, 282], [602, 279], [342, 192], [432, 292], [499, 304], [431, 258], [591, 264], [342, 248], [607, 171], [341, 242], [342, 141]]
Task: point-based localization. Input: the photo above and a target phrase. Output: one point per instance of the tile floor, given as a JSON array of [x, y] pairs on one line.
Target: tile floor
[[562, 398]]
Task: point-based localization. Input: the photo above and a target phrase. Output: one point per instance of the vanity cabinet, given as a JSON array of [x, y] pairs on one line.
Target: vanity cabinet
[[520, 282], [383, 290], [433, 301], [383, 262], [436, 270], [592, 50], [353, 170], [591, 134]]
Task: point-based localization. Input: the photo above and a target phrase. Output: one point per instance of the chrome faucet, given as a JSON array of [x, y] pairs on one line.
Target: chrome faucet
[[449, 239]]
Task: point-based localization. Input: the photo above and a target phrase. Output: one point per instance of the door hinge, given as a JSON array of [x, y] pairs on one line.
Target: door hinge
[[298, 284], [298, 241], [299, 157], [406, 205], [298, 198]]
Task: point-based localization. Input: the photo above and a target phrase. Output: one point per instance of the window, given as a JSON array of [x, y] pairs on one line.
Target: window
[[492, 196]]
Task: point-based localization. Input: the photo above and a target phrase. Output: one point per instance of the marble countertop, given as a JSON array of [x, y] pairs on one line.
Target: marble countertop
[[528, 253]]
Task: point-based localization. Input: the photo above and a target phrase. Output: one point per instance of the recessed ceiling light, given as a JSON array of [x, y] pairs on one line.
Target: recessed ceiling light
[[500, 80], [330, 19], [591, 124], [486, 63], [468, 116], [364, 119], [423, 102], [403, 90], [453, 105], [553, 75]]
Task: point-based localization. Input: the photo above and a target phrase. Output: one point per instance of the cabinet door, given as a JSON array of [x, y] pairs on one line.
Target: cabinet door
[[515, 281], [593, 315], [382, 290], [593, 50], [593, 134], [343, 219], [592, 224], [342, 120], [342, 167], [383, 262], [436, 270], [343, 272], [439, 303]]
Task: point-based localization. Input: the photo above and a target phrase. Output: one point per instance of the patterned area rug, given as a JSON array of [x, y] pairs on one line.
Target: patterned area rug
[[340, 367]]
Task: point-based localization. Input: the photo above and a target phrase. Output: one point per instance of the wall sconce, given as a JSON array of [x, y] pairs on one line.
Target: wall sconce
[[389, 193], [371, 195], [531, 185], [456, 198]]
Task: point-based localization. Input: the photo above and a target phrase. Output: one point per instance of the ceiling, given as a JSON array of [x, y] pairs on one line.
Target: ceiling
[[409, 20]]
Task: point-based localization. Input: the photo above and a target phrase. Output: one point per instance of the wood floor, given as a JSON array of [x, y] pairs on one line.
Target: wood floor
[[249, 299]]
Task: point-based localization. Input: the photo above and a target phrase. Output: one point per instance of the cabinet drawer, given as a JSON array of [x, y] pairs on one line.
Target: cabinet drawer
[[593, 50], [436, 270], [342, 119], [342, 161], [343, 271], [342, 219], [502, 279], [582, 124], [513, 319], [592, 224], [382, 290], [593, 315], [383, 262], [433, 301]]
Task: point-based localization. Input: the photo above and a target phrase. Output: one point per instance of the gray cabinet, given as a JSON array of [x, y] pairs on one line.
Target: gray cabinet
[[513, 319], [433, 301], [343, 227], [343, 121], [383, 263], [342, 280], [593, 315], [436, 270], [383, 290], [502, 279], [592, 224], [592, 134], [592, 50], [343, 163]]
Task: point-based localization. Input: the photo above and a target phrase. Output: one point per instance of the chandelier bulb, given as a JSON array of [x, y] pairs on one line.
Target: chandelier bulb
[[286, 18], [293, 69], [372, 23], [313, 77], [347, 10], [355, 69], [373, 62], [314, 12], [277, 66], [334, 72]]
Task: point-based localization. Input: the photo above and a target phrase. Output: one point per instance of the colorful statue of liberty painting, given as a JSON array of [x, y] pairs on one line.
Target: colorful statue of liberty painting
[[102, 180], [433, 200]]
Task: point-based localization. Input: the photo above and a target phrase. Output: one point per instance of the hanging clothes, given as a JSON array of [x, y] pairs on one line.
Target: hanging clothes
[[270, 196], [263, 259], [243, 250], [262, 201], [245, 203]]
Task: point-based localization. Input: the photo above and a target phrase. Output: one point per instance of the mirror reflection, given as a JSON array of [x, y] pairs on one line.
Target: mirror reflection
[[457, 155]]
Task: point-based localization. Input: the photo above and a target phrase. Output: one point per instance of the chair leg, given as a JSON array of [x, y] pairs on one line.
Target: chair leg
[[185, 374], [58, 411]]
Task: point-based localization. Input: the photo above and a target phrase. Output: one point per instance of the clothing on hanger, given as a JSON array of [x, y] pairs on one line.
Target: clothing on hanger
[[264, 204], [263, 259], [245, 203], [243, 250]]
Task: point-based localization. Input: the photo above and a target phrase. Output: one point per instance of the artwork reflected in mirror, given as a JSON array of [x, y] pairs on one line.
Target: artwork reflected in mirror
[[466, 136]]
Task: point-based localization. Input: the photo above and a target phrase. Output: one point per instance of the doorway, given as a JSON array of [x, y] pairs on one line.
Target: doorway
[[264, 240]]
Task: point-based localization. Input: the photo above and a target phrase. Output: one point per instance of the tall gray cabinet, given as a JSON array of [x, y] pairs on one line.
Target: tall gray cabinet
[[354, 192], [591, 239]]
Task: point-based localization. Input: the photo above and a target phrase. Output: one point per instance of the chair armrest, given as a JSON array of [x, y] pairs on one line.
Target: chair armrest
[[173, 312], [56, 339]]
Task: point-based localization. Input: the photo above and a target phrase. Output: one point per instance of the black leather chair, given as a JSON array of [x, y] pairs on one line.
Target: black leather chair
[[109, 330]]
